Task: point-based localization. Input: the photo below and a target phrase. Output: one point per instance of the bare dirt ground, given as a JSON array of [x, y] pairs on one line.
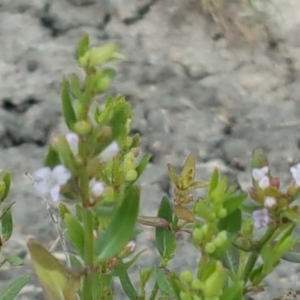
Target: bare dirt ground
[[192, 90]]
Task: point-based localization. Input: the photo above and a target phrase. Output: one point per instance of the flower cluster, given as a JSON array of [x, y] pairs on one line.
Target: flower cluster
[[261, 217], [49, 182]]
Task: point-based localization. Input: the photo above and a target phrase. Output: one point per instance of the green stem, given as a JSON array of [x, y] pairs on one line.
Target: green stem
[[88, 253], [154, 292], [254, 255], [202, 265]]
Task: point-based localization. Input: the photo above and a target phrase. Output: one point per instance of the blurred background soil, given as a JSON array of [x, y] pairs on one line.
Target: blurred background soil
[[217, 84]]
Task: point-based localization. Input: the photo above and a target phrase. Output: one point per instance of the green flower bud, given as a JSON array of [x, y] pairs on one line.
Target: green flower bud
[[83, 127], [128, 141], [103, 84], [212, 216], [99, 55], [220, 239], [187, 276], [129, 162], [210, 248], [222, 213], [214, 283], [198, 235], [108, 194], [184, 296], [196, 284], [131, 175]]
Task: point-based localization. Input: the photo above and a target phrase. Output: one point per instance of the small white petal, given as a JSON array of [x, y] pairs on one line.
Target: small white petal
[[295, 170], [110, 152], [73, 140], [270, 202], [264, 182], [131, 246], [61, 174], [54, 193], [97, 188], [258, 174], [42, 173]]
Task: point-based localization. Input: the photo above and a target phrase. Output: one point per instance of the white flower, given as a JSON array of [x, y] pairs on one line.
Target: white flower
[[259, 174], [97, 187], [261, 218], [49, 182], [264, 182], [295, 170], [73, 141], [110, 152], [269, 201]]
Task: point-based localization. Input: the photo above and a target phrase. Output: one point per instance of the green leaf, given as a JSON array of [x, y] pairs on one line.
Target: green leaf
[[67, 107], [235, 291], [163, 236], [173, 175], [7, 181], [234, 202], [6, 223], [231, 223], [63, 210], [214, 180], [14, 260], [127, 285], [58, 282], [145, 275], [163, 283], [188, 171], [75, 233], [75, 262], [83, 46], [14, 288], [143, 164], [75, 86], [52, 158], [121, 228]]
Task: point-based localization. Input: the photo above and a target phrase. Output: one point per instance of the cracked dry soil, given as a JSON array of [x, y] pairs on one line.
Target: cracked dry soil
[[191, 89]]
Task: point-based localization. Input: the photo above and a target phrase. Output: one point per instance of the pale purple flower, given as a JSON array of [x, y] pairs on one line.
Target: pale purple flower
[[73, 141], [261, 218], [110, 152], [49, 182], [97, 187], [269, 202], [295, 170], [261, 176]]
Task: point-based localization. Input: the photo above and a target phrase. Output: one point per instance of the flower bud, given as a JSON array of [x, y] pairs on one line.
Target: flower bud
[[220, 239], [184, 296], [275, 182], [83, 127], [131, 175], [214, 283], [196, 284], [212, 216], [198, 235], [210, 248], [222, 213], [129, 162], [187, 276]]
